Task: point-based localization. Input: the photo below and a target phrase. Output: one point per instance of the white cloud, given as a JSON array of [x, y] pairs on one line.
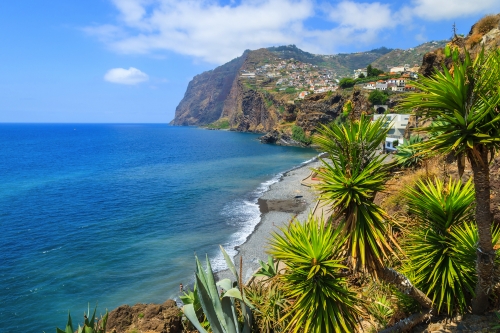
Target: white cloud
[[216, 33], [449, 9], [362, 16], [129, 76], [205, 29]]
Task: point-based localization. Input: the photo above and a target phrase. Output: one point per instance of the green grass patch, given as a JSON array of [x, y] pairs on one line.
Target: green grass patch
[[222, 123]]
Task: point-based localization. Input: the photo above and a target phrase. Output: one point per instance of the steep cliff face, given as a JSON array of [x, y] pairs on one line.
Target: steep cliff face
[[317, 109], [222, 93], [203, 102]]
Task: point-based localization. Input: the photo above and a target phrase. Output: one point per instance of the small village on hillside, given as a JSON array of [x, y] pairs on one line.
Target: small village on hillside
[[294, 74], [308, 79]]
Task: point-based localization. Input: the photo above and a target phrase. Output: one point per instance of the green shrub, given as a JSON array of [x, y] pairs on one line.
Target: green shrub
[[408, 154], [299, 135], [346, 83], [371, 71], [378, 97], [220, 310], [270, 306]]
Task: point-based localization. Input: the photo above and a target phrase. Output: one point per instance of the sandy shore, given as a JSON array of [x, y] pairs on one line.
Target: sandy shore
[[278, 205]]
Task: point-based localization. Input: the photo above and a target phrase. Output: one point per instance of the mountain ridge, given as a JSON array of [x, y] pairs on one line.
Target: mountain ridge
[[255, 91]]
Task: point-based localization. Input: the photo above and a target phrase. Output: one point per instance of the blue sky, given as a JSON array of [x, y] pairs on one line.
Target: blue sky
[[129, 61]]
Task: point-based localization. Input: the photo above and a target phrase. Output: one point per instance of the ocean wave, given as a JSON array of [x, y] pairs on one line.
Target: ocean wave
[[54, 249], [244, 214]]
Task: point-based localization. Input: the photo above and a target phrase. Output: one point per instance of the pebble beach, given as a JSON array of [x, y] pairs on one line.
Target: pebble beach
[[284, 200]]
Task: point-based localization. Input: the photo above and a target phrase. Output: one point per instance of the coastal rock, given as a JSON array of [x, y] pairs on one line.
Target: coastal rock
[[158, 318], [271, 137]]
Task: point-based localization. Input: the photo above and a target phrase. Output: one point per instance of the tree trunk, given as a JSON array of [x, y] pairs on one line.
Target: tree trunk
[[404, 285], [485, 254], [406, 324]]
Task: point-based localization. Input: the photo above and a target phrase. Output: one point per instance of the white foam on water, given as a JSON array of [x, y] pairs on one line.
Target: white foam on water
[[245, 215], [54, 249]]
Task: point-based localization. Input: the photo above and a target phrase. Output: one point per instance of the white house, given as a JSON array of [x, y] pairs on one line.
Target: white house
[[370, 85], [391, 144], [398, 88], [398, 69], [381, 85], [248, 75], [358, 72], [303, 94], [397, 122]]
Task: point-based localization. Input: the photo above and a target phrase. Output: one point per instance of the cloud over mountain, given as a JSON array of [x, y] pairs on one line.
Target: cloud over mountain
[[216, 32]]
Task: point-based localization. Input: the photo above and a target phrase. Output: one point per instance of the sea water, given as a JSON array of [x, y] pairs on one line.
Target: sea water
[[113, 214]]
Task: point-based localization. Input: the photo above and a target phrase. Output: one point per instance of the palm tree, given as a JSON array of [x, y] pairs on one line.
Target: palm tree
[[349, 184], [466, 101]]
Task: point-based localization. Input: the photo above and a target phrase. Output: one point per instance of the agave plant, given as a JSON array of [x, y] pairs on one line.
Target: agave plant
[[442, 249], [91, 325], [313, 279], [408, 154], [221, 312]]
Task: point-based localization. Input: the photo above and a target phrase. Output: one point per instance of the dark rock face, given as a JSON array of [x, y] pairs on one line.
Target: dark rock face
[[160, 318], [204, 99], [319, 109], [324, 108], [252, 114]]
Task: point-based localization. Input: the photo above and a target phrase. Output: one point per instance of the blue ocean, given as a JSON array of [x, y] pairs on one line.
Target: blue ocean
[[113, 214]]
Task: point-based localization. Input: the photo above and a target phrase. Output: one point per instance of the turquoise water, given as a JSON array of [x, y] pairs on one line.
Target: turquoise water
[[113, 214]]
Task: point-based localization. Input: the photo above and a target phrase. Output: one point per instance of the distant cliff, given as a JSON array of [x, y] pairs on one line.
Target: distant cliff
[[206, 94], [266, 91]]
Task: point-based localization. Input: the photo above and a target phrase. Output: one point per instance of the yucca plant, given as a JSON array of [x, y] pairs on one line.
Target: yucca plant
[[466, 101], [441, 250], [381, 309], [409, 155], [221, 312], [270, 306], [313, 280], [349, 183], [267, 269], [90, 325]]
